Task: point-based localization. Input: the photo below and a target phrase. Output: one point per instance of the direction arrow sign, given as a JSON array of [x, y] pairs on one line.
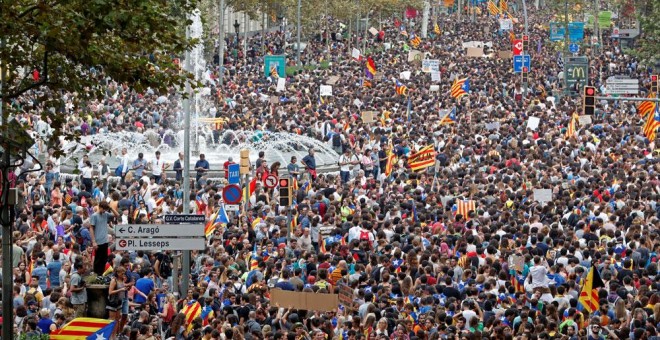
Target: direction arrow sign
[[184, 219], [159, 230], [234, 175], [189, 243], [270, 181], [573, 48]]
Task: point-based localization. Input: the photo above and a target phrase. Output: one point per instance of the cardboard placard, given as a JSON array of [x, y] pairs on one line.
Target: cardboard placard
[[415, 55], [332, 80], [543, 195], [434, 88], [357, 103], [326, 91], [355, 54], [281, 84], [430, 65], [517, 262], [473, 44], [475, 51], [368, 117], [373, 31], [435, 76], [345, 296], [584, 120], [533, 122], [446, 199], [301, 300], [274, 99], [505, 54], [405, 75], [387, 46]]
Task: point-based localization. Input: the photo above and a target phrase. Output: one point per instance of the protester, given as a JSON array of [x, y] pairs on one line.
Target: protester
[[448, 216]]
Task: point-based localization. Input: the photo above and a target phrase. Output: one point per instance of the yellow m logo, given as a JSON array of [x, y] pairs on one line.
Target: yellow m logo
[[578, 72]]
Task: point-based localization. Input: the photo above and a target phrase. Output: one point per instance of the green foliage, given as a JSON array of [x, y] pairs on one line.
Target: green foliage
[[649, 43], [131, 41]]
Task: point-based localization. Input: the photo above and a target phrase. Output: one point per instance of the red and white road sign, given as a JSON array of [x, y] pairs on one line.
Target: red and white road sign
[[122, 243], [517, 47], [270, 181]]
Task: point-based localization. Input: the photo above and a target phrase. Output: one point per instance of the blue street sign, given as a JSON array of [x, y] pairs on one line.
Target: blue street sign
[[573, 48], [556, 31], [518, 63], [576, 31], [234, 176]]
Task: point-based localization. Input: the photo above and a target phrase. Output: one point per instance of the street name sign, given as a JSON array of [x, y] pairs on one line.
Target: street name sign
[[160, 230], [190, 243]]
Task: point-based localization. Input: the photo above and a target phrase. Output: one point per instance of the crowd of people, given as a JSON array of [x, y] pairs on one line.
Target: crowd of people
[[461, 249]]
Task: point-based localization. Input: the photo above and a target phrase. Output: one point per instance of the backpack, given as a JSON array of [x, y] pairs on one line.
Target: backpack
[[336, 140], [364, 236], [165, 267], [375, 274], [80, 239]]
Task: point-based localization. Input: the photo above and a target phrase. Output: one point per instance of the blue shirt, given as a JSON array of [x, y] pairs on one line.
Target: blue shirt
[[310, 162], [145, 285], [54, 273], [139, 169], [42, 273], [202, 163]]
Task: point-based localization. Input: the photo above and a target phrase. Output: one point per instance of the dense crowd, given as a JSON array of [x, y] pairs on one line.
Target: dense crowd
[[461, 249]]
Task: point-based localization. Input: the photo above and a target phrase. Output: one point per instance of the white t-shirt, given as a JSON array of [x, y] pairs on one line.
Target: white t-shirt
[[348, 160], [157, 167]]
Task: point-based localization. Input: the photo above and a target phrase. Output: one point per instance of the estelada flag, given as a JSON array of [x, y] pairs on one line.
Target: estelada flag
[[589, 292], [84, 329]]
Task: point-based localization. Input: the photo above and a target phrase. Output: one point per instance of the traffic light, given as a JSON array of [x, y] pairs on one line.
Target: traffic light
[[285, 192], [525, 74], [654, 84], [525, 44], [589, 100]]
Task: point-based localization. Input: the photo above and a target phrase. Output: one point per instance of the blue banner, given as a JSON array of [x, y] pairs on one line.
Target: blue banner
[[557, 32], [576, 31]]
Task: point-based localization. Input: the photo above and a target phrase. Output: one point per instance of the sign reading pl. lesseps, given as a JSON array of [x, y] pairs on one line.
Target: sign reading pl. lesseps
[[190, 243], [160, 230]]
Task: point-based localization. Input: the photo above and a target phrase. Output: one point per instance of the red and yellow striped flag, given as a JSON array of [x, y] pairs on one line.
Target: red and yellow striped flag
[[192, 310], [492, 8], [504, 7], [645, 108], [464, 207], [570, 131], [589, 292], [651, 125]]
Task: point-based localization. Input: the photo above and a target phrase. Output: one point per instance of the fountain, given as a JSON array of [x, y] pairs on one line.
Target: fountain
[[217, 147]]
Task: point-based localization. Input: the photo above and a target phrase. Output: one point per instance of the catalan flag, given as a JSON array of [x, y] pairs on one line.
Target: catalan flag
[[570, 131], [219, 218], [391, 160], [192, 310], [84, 329], [518, 283], [366, 83], [422, 159], [274, 73], [400, 88], [250, 188], [415, 40], [492, 8], [652, 124], [464, 207], [370, 70], [293, 224], [449, 118], [402, 30], [645, 108], [209, 227], [160, 201], [504, 7], [436, 28], [589, 292], [460, 88]]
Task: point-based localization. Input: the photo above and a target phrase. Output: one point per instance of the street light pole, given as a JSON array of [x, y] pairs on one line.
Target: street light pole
[[298, 44], [524, 4], [221, 43], [185, 270], [7, 287]]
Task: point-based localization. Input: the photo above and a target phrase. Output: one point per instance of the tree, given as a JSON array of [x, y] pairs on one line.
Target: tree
[[649, 42], [75, 44]]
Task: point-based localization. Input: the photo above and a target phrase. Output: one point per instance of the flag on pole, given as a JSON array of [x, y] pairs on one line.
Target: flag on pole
[[449, 118], [422, 159], [460, 88], [504, 7], [645, 108], [436, 28], [492, 8], [366, 83], [415, 40], [589, 291], [400, 88], [370, 70], [652, 124]]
